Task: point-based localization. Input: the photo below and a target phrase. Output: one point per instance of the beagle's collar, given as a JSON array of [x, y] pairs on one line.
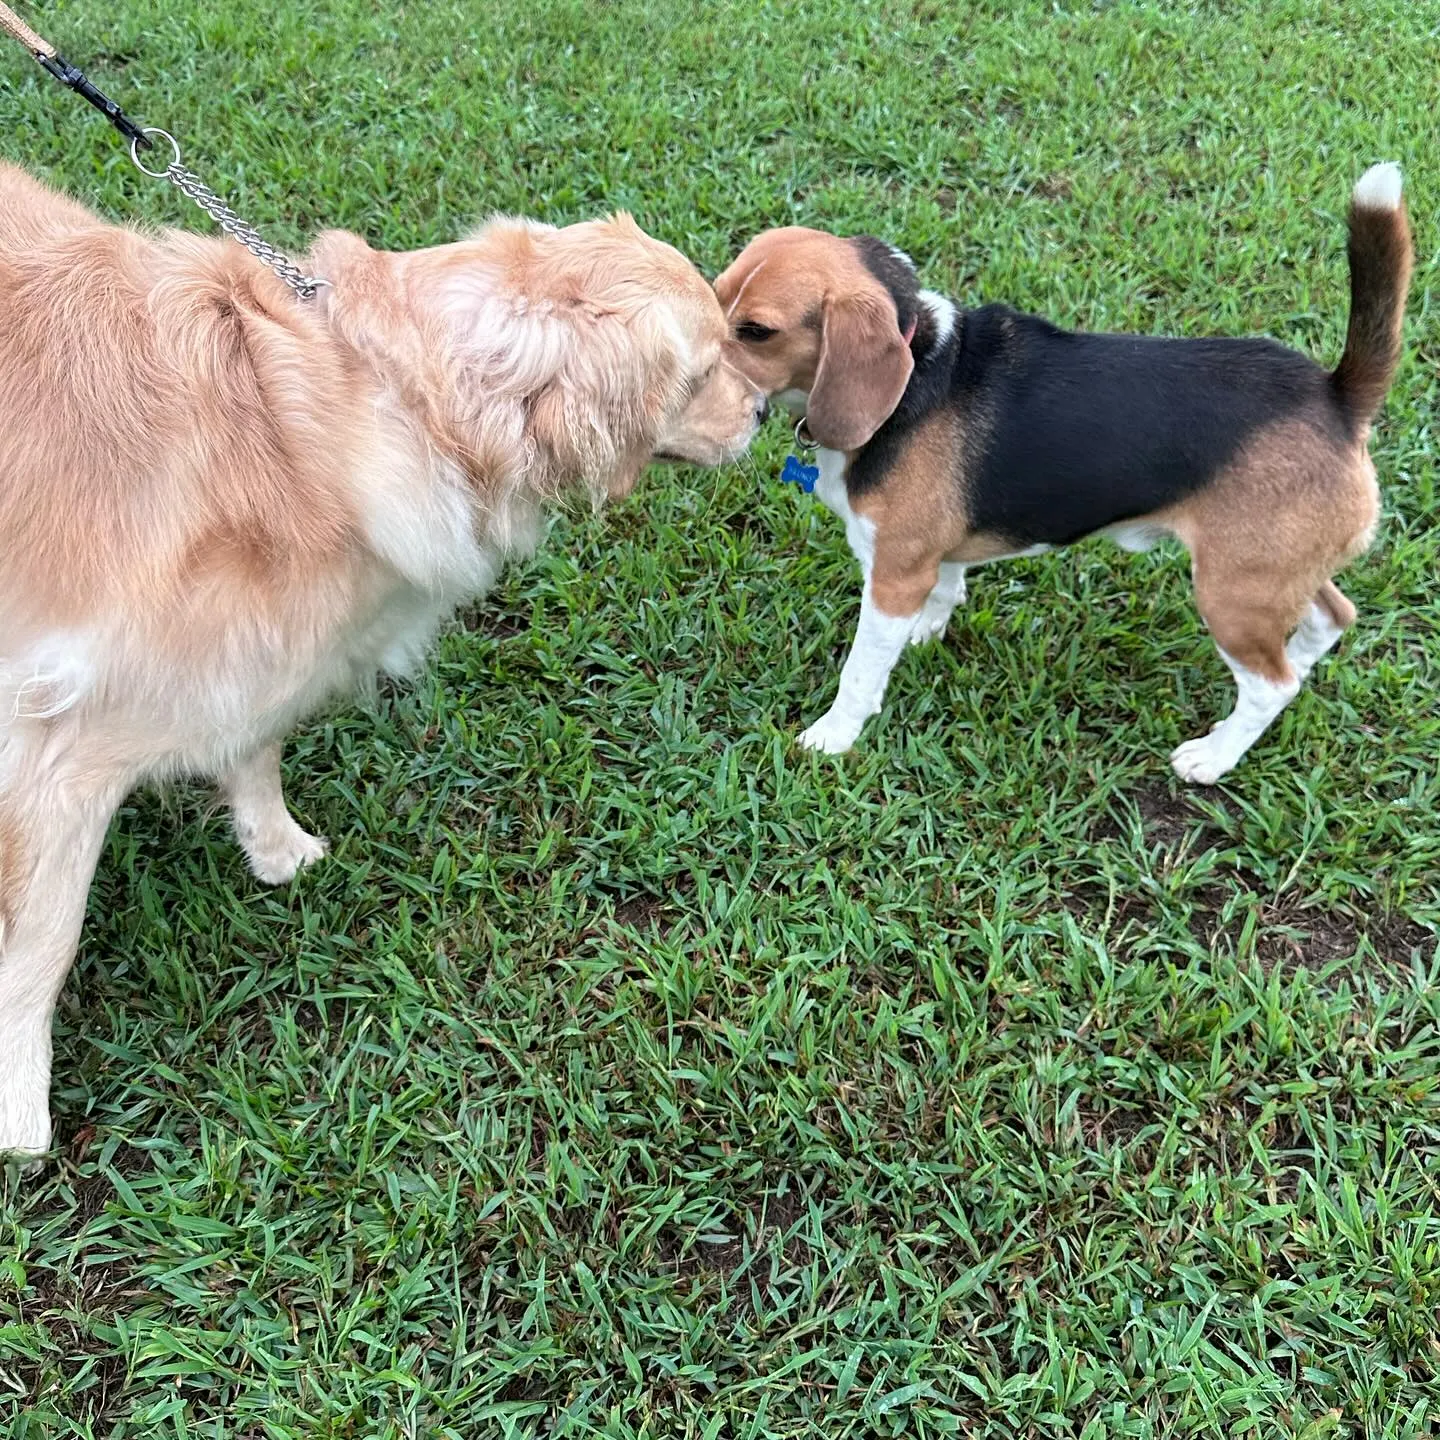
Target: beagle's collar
[[797, 471]]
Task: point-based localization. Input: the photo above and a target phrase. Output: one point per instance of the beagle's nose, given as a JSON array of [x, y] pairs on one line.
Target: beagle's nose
[[762, 409]]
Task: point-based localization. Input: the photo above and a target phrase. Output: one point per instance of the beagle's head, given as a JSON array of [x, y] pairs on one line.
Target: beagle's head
[[825, 324]]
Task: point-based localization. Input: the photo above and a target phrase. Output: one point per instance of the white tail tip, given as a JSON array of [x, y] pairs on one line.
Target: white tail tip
[[1378, 188]]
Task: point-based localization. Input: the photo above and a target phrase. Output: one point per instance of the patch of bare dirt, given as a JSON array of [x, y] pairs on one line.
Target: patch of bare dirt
[[1290, 936], [1165, 819], [762, 1225], [1310, 940]]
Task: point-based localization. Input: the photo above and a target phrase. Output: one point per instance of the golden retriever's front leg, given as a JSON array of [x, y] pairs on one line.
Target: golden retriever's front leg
[[274, 844], [51, 831]]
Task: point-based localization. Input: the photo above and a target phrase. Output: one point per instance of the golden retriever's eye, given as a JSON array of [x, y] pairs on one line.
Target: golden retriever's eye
[[753, 333]]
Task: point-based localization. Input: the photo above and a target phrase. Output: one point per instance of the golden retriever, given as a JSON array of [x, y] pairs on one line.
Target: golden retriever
[[221, 506]]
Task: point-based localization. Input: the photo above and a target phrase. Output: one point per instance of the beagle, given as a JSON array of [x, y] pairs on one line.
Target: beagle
[[950, 437]]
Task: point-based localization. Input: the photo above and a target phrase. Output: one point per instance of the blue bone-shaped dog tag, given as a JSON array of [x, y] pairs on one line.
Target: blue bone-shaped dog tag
[[796, 472]]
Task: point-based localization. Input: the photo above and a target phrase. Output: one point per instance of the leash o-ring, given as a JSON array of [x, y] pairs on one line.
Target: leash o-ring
[[187, 182], [144, 168], [803, 438]]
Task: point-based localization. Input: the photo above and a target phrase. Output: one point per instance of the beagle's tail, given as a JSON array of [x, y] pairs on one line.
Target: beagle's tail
[[1379, 281]]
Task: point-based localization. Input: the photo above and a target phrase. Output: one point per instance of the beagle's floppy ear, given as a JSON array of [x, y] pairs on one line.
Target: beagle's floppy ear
[[865, 365]]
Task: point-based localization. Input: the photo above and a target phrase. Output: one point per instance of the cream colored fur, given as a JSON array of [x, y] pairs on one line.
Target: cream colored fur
[[221, 507]]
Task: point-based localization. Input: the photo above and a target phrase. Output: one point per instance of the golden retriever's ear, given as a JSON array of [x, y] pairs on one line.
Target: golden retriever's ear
[[600, 415], [625, 224], [628, 469], [865, 365], [559, 341]]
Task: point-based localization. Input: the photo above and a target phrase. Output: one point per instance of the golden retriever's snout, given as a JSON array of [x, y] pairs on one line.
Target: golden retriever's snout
[[719, 423]]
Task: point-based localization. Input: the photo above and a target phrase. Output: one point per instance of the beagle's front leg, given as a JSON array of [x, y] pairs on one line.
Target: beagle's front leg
[[898, 581], [949, 592], [880, 640]]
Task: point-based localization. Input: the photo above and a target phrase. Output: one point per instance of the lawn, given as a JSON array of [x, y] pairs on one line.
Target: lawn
[[626, 1071]]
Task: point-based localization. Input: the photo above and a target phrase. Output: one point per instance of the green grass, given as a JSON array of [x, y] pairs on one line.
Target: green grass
[[626, 1072]]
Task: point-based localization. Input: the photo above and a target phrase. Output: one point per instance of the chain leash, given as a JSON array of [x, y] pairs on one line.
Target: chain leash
[[189, 184], [144, 138]]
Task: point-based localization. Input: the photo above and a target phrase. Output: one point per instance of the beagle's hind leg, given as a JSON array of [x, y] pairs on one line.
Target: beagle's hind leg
[[1330, 615], [1268, 671]]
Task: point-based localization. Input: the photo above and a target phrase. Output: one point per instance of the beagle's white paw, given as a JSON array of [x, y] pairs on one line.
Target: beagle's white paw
[[1202, 761], [935, 614], [831, 734], [930, 624]]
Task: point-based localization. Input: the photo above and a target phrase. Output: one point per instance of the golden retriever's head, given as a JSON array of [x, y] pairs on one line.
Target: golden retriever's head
[[578, 353]]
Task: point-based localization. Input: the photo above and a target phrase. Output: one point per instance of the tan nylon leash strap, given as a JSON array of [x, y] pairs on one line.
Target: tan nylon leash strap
[[14, 25]]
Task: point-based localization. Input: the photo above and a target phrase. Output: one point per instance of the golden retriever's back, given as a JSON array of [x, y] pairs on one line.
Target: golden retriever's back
[[30, 213], [141, 378]]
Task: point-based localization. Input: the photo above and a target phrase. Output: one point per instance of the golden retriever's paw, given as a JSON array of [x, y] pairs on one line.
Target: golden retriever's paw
[[24, 1134], [278, 861]]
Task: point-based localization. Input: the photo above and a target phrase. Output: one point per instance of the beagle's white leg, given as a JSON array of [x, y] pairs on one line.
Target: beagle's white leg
[[1314, 638], [949, 592], [880, 640], [1258, 703], [880, 636], [830, 491]]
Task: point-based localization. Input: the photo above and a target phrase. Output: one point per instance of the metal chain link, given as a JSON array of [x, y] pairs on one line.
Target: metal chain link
[[190, 184], [186, 181]]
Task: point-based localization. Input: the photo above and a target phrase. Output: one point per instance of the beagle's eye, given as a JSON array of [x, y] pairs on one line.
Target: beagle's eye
[[752, 333]]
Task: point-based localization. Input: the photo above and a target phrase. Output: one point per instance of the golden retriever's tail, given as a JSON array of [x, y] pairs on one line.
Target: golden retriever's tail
[[1380, 261]]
